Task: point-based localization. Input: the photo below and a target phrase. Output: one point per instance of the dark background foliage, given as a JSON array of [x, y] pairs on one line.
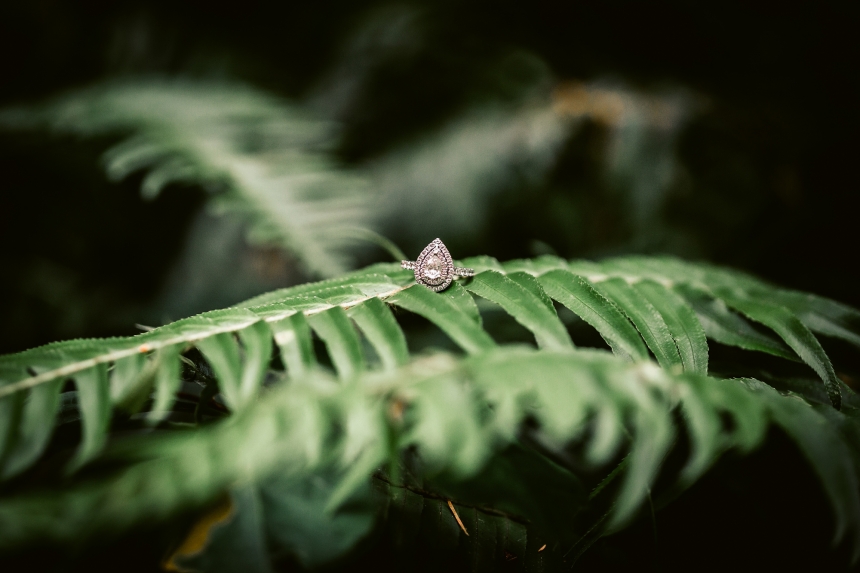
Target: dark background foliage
[[767, 179]]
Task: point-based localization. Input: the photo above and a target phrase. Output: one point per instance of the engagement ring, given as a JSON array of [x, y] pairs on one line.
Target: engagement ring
[[434, 267]]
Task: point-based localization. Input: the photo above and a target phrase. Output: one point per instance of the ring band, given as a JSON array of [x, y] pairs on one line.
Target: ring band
[[459, 272], [434, 267]]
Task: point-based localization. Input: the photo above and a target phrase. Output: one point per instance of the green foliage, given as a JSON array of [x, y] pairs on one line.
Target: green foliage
[[261, 156], [273, 161], [317, 459]]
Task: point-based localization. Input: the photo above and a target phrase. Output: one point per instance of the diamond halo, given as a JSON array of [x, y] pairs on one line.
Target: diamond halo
[[434, 267]]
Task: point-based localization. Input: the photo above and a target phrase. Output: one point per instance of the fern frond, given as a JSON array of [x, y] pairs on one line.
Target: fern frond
[[459, 413], [267, 159]]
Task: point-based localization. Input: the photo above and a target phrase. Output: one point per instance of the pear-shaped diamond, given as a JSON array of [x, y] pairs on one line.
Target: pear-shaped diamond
[[434, 267]]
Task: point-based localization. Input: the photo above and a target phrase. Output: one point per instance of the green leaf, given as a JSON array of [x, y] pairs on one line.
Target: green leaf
[[577, 294], [316, 427], [341, 339], [288, 187], [726, 327], [364, 446], [793, 332], [352, 285], [531, 284], [846, 422], [525, 304], [222, 352], [446, 312], [445, 427], [463, 301], [257, 345], [34, 429], [683, 325], [747, 412], [830, 458], [647, 320], [293, 337], [124, 376], [822, 315], [453, 416], [378, 324], [10, 415], [166, 381], [94, 403], [537, 266], [194, 328], [607, 433], [560, 403], [704, 426], [652, 438], [482, 263]]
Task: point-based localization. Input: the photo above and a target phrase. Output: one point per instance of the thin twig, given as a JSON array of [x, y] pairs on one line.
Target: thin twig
[[457, 517]]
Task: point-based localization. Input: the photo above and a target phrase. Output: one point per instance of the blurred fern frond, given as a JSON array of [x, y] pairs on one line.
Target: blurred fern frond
[[262, 156], [272, 160], [421, 429], [445, 181]]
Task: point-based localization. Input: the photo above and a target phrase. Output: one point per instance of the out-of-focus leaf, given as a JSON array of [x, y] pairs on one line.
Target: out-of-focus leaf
[[335, 329], [378, 324], [28, 440], [828, 455], [94, 402], [293, 337], [222, 352], [257, 346], [705, 427], [166, 381], [298, 524]]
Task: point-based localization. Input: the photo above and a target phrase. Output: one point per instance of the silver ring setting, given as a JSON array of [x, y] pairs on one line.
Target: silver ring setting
[[434, 267]]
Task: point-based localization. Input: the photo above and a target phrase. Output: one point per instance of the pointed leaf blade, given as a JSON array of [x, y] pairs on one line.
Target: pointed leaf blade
[[704, 425], [378, 324], [830, 458], [683, 325], [647, 320], [35, 428], [10, 416], [793, 332], [823, 316], [726, 327], [293, 337], [94, 403], [166, 382], [344, 346], [222, 353], [124, 376], [257, 344], [577, 294], [527, 308], [448, 315]]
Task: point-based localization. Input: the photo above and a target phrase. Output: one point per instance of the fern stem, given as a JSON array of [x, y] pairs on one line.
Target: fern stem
[[75, 367]]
